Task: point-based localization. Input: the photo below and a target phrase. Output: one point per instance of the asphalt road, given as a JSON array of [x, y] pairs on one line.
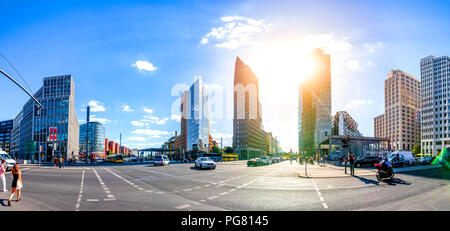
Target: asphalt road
[[234, 187]]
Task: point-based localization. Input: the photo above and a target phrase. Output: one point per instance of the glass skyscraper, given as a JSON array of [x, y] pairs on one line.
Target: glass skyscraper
[[314, 105], [32, 136], [5, 135], [197, 113], [96, 138]]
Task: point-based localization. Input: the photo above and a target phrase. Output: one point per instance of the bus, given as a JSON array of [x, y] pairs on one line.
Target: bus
[[117, 158], [230, 157]]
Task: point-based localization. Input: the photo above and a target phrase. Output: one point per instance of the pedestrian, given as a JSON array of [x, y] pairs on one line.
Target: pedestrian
[[352, 164], [55, 161], [59, 162], [2, 175], [345, 163], [63, 162], [17, 183]]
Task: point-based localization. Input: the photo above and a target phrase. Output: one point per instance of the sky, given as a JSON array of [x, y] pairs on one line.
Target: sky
[[131, 60]]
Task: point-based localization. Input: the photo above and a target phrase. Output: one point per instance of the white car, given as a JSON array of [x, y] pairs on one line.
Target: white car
[[205, 162], [10, 162], [161, 160]]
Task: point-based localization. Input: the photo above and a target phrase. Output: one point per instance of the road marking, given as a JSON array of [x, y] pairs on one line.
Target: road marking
[[188, 189], [160, 192], [105, 188], [197, 187], [212, 198], [224, 193], [149, 191], [182, 206], [77, 206], [324, 204], [93, 200]]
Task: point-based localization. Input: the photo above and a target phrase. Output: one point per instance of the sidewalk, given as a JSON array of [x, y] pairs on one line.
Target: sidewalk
[[332, 171]]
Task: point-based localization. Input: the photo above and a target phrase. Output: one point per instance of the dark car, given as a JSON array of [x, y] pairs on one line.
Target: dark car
[[398, 162], [366, 161], [425, 160], [254, 162]]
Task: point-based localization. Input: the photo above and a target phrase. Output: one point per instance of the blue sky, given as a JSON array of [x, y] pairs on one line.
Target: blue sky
[[101, 42]]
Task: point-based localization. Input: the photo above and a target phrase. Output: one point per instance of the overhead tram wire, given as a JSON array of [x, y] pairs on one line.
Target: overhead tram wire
[[18, 73]]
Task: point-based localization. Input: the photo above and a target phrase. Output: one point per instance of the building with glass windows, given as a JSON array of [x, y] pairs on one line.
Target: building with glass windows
[[33, 139], [94, 137], [400, 121], [5, 135], [344, 125], [197, 117], [331, 147], [314, 105], [435, 96], [15, 136], [249, 137]]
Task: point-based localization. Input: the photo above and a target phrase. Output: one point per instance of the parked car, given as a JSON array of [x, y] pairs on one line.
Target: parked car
[[275, 160], [407, 157], [254, 162], [265, 160], [161, 160], [133, 159], [425, 160], [398, 161], [98, 160], [10, 162], [205, 162], [366, 161]]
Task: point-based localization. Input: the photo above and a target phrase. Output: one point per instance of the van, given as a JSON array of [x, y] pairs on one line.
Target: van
[[406, 156], [10, 162]]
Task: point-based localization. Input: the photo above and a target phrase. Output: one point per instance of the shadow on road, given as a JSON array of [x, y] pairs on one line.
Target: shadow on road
[[396, 181], [367, 181]]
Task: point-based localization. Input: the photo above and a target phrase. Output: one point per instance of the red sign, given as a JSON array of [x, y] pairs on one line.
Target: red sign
[[51, 129], [54, 136], [55, 130], [51, 136]]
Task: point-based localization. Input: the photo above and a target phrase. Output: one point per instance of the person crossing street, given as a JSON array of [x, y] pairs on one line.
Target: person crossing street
[[2, 175], [351, 160]]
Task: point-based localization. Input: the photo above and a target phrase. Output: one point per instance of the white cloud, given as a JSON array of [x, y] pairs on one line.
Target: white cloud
[[236, 31], [217, 136], [144, 66], [126, 108], [94, 118], [96, 106], [353, 64], [136, 138], [151, 133], [372, 47], [176, 117], [154, 119], [148, 110], [137, 123]]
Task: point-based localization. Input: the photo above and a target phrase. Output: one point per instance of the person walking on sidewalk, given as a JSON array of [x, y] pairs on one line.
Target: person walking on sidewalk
[[17, 183], [351, 159], [2, 175], [345, 163]]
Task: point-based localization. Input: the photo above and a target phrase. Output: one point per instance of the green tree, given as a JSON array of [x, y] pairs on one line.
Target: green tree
[[229, 150], [416, 149], [216, 149]]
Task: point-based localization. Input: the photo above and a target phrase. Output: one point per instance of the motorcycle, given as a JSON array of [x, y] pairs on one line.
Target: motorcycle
[[381, 174]]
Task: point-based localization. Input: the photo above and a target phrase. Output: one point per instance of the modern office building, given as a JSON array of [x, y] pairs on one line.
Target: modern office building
[[314, 105], [331, 146], [401, 116], [180, 140], [272, 144], [15, 135], [379, 126], [195, 111], [52, 130], [5, 135], [344, 125], [94, 138], [435, 114], [249, 138]]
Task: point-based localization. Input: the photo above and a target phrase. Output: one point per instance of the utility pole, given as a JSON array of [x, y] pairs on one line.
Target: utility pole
[[88, 111]]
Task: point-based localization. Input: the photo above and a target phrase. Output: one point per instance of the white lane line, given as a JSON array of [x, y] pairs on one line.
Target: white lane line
[[93, 200], [105, 188], [77, 206], [188, 189], [324, 204], [224, 193], [182, 206]]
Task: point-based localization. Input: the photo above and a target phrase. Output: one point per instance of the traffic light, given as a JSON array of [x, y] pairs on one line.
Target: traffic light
[[345, 142]]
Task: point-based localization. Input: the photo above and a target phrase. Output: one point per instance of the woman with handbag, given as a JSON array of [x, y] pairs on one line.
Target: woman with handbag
[[17, 183]]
